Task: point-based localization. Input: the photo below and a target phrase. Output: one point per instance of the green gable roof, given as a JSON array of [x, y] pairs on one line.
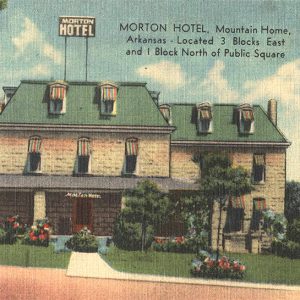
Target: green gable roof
[[224, 127], [135, 107]]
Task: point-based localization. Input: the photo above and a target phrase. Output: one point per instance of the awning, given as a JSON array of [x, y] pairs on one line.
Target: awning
[[57, 92], [237, 202], [259, 159], [83, 147], [132, 147], [259, 204], [34, 145], [108, 93], [205, 114], [248, 115]]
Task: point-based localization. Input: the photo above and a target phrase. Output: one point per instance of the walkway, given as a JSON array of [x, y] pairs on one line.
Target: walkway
[[91, 265]]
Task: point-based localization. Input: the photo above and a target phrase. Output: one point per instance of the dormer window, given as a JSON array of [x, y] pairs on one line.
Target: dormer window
[[204, 118], [246, 119], [165, 110], [83, 156], [57, 97], [34, 155], [108, 94]]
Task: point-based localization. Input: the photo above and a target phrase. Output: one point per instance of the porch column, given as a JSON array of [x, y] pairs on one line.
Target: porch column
[[39, 211], [123, 199]]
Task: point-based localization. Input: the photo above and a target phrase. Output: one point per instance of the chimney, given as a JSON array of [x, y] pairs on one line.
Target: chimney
[[272, 111]]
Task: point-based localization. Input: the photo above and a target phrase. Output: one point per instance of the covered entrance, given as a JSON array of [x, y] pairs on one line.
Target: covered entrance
[[82, 214]]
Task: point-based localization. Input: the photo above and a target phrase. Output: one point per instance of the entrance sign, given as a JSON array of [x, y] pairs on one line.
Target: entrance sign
[[77, 26], [83, 195]]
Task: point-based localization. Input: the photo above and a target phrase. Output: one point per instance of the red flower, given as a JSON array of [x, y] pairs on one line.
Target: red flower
[[16, 225], [11, 219], [46, 226], [242, 268], [33, 238], [42, 237]]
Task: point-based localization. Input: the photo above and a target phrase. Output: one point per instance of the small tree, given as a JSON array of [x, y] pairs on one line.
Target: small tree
[[220, 181], [3, 4], [195, 212], [147, 206], [292, 201]]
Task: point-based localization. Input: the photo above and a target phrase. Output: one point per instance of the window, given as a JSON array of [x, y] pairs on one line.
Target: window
[[131, 153], [57, 98], [83, 158], [235, 214], [246, 119], [259, 204], [166, 112], [204, 118], [108, 92], [34, 155], [258, 170]]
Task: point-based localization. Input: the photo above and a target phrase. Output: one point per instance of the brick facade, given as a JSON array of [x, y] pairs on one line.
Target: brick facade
[[59, 151]]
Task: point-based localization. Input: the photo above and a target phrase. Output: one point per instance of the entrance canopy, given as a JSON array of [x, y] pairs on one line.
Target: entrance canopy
[[87, 184]]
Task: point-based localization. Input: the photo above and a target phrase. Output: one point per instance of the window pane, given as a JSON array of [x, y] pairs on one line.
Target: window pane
[[258, 173], [235, 217], [35, 161], [130, 163], [83, 164], [256, 218], [108, 106]]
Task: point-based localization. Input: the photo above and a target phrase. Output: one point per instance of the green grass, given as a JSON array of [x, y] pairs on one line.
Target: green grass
[[260, 268], [33, 256]]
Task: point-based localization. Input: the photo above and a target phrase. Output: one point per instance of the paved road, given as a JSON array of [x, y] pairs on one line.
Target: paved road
[[34, 283]]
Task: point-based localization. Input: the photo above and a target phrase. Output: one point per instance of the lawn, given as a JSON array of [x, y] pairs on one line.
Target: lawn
[[260, 268], [33, 256]]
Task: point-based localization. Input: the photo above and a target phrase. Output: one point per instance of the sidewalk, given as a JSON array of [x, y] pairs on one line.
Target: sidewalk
[[93, 266]]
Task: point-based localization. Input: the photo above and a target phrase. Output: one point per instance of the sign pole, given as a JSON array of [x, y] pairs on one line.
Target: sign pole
[[86, 57], [65, 74]]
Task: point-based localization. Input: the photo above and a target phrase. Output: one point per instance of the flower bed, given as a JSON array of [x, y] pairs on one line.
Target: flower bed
[[38, 234], [208, 266], [10, 227], [178, 244], [83, 241]]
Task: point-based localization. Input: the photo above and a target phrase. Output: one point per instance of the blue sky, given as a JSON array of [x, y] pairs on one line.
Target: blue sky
[[31, 48]]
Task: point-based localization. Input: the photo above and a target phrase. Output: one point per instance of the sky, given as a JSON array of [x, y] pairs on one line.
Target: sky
[[30, 48]]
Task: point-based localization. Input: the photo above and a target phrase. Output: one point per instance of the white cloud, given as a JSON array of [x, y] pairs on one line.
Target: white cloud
[[39, 69], [168, 74], [32, 36], [283, 85], [50, 52], [216, 87]]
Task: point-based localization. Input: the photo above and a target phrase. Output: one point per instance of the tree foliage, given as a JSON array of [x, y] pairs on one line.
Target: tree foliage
[[220, 181], [147, 206], [3, 4], [292, 201]]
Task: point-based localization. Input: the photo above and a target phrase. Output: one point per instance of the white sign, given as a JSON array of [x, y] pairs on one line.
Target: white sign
[[77, 26]]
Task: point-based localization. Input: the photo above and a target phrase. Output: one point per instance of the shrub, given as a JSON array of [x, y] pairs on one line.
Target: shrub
[[286, 248], [293, 231], [128, 236], [83, 241], [177, 244], [11, 226], [208, 266], [38, 234]]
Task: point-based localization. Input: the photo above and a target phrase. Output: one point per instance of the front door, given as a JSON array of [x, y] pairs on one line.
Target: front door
[[82, 214]]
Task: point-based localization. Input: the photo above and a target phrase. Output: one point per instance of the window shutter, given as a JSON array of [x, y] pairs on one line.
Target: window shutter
[[34, 145], [83, 147], [132, 147]]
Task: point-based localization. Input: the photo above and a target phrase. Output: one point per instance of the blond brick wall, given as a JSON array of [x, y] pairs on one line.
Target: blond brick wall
[[59, 151]]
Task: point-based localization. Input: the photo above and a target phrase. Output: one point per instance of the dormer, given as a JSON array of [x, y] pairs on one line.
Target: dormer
[[108, 97], [245, 119], [57, 97], [204, 118], [165, 110]]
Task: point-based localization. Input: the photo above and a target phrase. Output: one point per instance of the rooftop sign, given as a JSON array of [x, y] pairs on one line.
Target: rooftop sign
[[77, 26]]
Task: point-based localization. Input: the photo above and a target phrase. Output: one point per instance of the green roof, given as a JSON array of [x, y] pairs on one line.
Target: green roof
[[135, 107], [224, 127]]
